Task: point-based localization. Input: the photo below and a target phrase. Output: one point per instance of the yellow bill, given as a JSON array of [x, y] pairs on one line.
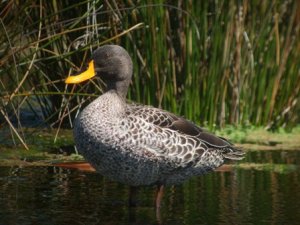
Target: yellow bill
[[89, 73]]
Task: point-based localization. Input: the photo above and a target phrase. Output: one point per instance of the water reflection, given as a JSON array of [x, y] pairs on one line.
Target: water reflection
[[50, 195]]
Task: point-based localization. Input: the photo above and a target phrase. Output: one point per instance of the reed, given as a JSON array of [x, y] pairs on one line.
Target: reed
[[215, 62]]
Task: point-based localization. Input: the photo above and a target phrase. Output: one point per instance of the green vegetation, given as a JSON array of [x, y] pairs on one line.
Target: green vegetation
[[278, 168], [40, 139], [215, 62], [258, 138]]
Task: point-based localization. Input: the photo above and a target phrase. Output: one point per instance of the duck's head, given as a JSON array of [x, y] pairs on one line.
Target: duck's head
[[112, 64]]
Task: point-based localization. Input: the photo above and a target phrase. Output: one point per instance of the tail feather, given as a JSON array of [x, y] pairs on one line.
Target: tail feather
[[233, 153]]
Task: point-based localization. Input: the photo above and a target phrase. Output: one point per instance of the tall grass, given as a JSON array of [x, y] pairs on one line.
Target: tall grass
[[215, 62]]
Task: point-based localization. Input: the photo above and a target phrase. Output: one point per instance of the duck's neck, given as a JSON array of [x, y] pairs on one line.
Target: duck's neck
[[120, 87]]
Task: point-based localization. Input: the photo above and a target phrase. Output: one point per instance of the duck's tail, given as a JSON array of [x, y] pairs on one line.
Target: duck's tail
[[233, 153]]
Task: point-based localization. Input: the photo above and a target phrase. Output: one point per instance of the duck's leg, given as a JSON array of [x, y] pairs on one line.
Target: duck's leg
[[133, 191], [159, 195]]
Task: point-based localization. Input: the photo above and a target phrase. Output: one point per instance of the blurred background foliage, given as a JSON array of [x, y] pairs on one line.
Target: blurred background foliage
[[215, 62]]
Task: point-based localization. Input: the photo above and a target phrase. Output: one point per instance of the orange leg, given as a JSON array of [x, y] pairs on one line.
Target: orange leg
[[159, 196]]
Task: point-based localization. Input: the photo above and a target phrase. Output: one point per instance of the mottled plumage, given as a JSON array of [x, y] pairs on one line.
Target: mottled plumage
[[142, 145]]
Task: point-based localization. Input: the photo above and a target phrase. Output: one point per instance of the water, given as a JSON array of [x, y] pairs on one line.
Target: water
[[249, 195]]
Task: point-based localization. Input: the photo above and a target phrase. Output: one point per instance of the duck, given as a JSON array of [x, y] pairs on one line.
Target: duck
[[140, 145]]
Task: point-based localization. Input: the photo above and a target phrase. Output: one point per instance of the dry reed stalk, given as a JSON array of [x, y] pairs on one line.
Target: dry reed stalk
[[13, 129]]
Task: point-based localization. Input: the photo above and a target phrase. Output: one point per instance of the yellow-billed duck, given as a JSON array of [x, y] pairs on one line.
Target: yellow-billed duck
[[140, 144]]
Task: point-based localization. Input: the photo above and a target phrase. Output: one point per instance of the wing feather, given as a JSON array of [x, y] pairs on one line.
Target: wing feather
[[164, 119]]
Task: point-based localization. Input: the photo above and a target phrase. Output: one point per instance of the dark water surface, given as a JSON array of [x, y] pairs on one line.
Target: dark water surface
[[267, 192]]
